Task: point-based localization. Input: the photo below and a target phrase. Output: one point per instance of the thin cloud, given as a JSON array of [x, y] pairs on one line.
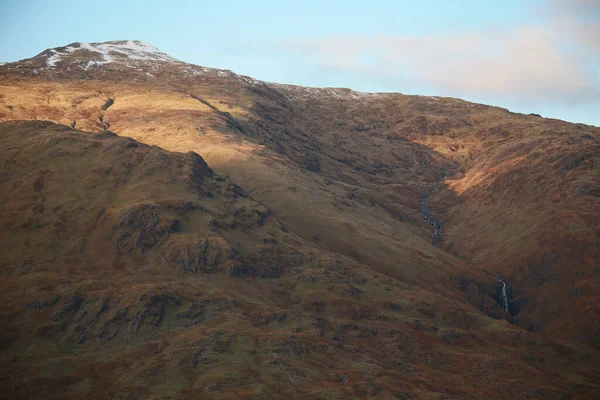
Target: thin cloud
[[581, 7], [529, 63], [577, 20]]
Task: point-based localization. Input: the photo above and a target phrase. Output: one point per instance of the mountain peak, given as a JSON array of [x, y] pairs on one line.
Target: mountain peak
[[94, 54], [120, 59]]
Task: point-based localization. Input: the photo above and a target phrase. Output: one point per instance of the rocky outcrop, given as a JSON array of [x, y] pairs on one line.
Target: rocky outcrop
[[141, 227], [202, 256]]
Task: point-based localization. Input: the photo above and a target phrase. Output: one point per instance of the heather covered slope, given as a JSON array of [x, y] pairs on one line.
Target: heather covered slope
[[337, 211], [325, 204], [350, 171], [528, 209], [129, 271]]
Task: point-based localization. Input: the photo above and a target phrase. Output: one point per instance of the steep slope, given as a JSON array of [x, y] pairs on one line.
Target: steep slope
[[521, 204], [527, 209], [233, 122], [372, 198], [133, 272]]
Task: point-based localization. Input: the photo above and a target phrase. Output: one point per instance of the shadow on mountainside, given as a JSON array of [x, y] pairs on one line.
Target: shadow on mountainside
[[532, 220], [348, 174], [357, 186], [524, 214], [140, 260]]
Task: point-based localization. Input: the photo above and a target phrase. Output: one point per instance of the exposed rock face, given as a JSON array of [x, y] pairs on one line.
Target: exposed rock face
[[333, 243], [206, 256], [148, 227]]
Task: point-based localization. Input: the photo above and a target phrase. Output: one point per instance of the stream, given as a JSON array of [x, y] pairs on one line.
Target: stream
[[504, 293], [506, 300], [426, 210]]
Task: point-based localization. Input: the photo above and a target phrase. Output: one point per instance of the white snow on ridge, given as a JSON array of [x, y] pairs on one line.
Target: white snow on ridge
[[307, 93], [301, 92], [249, 80], [130, 53], [53, 58], [113, 52], [133, 50]]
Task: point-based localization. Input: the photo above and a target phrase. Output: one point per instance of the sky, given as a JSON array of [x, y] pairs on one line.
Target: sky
[[530, 56]]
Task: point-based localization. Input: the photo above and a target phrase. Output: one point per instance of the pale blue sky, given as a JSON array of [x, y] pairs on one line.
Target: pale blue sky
[[537, 56]]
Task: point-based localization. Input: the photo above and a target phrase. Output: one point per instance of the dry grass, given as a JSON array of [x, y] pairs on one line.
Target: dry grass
[[323, 282]]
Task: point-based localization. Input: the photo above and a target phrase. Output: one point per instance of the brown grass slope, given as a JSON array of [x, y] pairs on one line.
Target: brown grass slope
[[528, 209], [132, 272], [349, 175], [373, 219], [348, 171]]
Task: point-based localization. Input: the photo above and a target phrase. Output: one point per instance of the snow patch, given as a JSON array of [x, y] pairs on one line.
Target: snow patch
[[308, 93], [91, 64], [53, 58], [194, 70], [249, 80]]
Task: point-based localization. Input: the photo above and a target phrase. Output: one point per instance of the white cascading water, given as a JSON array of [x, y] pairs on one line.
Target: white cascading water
[[505, 302], [504, 296]]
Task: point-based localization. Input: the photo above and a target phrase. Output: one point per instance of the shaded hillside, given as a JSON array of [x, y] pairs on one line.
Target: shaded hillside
[[528, 210], [138, 272]]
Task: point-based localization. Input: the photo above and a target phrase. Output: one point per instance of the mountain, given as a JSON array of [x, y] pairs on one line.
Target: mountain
[[212, 235]]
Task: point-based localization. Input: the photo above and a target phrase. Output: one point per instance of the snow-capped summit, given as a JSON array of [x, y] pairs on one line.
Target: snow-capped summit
[[136, 60], [123, 59], [107, 52]]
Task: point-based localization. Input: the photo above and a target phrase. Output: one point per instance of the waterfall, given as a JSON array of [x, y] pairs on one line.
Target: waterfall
[[506, 301], [504, 297], [427, 208]]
